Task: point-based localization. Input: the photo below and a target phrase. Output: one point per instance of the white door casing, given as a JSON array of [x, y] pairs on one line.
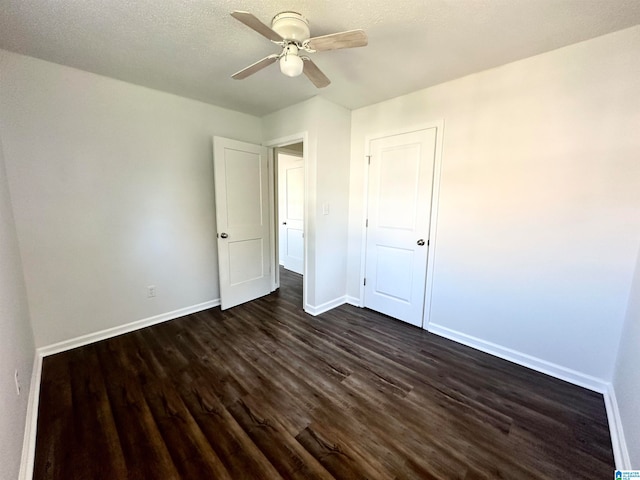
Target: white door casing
[[291, 211], [242, 220], [399, 207]]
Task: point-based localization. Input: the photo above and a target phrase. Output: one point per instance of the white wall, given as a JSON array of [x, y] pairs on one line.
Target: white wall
[[332, 190], [16, 340], [112, 189], [538, 224], [327, 169], [626, 381]]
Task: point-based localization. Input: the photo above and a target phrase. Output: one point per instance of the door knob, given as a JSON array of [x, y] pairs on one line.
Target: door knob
[[420, 242], [223, 235], [284, 223]]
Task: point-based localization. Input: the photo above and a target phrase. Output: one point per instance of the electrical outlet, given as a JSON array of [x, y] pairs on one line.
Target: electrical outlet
[[17, 379], [151, 291]]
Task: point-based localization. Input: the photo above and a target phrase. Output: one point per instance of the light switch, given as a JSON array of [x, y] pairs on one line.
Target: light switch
[[325, 208]]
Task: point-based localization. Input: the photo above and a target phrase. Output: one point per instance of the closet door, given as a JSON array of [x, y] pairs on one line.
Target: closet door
[[399, 208]]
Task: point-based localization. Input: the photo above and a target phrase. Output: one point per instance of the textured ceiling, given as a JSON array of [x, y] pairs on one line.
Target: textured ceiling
[[191, 47]]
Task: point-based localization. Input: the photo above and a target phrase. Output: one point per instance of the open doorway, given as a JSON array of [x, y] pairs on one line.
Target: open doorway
[[289, 208]]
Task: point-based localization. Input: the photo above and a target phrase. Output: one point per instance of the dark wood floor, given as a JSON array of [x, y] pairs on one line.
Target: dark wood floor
[[263, 391]]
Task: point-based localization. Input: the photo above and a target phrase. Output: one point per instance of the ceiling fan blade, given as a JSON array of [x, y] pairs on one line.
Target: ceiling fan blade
[[251, 69], [252, 22], [334, 41], [314, 74]]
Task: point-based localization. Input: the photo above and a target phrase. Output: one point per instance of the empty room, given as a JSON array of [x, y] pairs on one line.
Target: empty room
[[330, 239]]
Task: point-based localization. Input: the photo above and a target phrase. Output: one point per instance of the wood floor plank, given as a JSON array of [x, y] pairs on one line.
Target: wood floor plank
[[53, 457], [242, 458], [264, 391], [145, 451], [96, 435], [210, 430], [286, 454], [190, 449], [206, 362], [339, 458]]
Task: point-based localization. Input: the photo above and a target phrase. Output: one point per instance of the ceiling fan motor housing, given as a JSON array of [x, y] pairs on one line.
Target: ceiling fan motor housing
[[291, 26]]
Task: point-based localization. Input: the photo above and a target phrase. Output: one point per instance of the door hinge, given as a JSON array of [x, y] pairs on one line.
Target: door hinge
[[365, 282], [366, 223], [368, 159], [428, 242]]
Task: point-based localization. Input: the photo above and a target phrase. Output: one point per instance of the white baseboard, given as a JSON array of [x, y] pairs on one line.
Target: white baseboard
[[326, 306], [126, 328], [31, 422], [557, 371], [618, 442], [355, 301]]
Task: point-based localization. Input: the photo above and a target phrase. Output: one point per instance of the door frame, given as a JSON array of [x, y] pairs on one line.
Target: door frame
[[280, 182], [433, 223], [272, 145]]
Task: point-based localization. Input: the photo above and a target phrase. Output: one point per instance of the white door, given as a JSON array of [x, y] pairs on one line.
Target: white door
[[242, 218], [399, 208], [291, 211]]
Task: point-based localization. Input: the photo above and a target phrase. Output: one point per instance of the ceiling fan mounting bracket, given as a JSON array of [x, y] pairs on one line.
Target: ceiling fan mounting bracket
[[292, 27]]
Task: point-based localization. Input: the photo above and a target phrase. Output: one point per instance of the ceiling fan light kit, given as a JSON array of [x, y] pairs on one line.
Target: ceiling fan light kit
[[291, 64], [290, 30]]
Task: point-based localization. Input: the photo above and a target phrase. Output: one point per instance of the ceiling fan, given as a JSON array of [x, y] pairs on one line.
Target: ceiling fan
[[290, 30]]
